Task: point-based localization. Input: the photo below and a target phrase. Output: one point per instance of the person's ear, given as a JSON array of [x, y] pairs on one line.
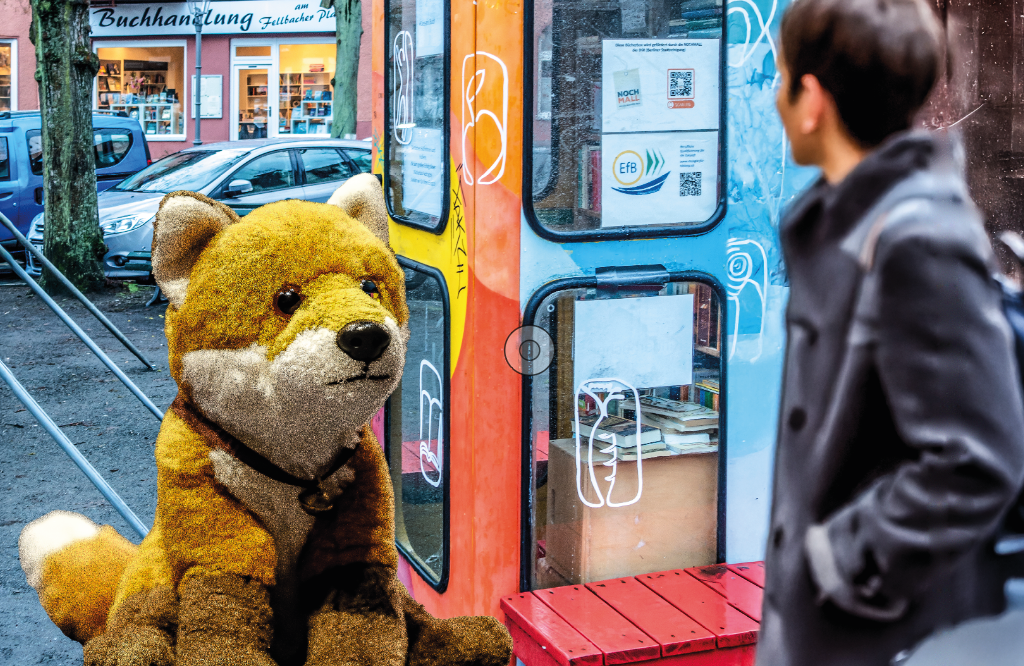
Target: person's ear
[[815, 101]]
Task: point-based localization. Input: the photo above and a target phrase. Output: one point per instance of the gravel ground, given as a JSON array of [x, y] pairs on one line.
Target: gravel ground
[[111, 428]]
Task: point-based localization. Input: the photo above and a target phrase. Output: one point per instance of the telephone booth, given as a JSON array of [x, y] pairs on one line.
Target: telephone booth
[[585, 196]]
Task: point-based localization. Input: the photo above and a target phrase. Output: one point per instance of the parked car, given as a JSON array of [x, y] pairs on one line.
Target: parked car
[[244, 175], [118, 142]]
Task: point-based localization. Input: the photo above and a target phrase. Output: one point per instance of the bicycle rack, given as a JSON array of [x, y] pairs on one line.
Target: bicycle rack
[[58, 435], [70, 287]]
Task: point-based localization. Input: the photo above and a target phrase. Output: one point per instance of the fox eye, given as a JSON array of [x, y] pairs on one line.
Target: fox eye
[[287, 301], [370, 287]]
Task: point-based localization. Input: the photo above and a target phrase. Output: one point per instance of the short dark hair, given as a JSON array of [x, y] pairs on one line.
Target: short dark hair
[[877, 58]]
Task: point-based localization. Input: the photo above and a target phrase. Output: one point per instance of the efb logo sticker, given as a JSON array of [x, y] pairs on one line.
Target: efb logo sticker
[[638, 174]]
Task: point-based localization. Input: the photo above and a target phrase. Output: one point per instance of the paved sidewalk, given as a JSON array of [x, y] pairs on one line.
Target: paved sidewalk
[[106, 422]]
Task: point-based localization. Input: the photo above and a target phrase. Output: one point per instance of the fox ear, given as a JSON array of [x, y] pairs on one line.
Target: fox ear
[[183, 227], [363, 199]]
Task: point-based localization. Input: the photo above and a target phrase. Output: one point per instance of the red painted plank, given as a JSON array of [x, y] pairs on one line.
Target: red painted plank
[[710, 609], [741, 655], [527, 650], [617, 638], [549, 632], [738, 591], [752, 571], [677, 633]]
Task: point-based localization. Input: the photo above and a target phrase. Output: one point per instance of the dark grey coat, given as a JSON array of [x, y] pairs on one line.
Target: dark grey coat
[[901, 438]]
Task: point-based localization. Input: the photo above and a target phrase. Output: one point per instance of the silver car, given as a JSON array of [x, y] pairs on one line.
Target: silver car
[[243, 175]]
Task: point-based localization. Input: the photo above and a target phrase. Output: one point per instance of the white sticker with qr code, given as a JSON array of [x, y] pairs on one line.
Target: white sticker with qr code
[[658, 178], [679, 79]]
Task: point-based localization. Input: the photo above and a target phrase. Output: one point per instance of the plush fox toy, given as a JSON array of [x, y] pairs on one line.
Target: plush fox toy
[[274, 533]]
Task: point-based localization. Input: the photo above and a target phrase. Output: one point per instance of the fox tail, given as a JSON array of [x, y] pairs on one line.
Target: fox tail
[[75, 566]]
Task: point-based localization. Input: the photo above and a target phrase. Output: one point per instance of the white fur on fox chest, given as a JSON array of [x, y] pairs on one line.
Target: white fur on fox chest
[[276, 504]]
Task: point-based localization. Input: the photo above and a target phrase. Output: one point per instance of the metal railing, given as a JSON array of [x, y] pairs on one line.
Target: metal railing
[[136, 391], [55, 432], [74, 291]]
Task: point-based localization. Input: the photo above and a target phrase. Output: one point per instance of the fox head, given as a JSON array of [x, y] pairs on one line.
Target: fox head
[[287, 328]]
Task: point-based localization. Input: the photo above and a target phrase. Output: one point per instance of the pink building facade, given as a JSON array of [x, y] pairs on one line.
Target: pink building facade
[[267, 69]]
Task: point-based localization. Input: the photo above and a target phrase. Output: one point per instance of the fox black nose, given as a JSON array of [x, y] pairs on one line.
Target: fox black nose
[[364, 340]]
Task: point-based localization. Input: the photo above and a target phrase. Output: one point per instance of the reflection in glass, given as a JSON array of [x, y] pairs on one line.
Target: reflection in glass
[[417, 427], [625, 434], [979, 93], [626, 112], [415, 151]]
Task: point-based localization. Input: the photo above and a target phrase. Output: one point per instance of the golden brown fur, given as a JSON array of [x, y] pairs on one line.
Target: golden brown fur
[[212, 583]]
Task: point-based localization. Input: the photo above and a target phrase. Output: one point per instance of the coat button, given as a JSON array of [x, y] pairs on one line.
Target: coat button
[[777, 536], [797, 418]]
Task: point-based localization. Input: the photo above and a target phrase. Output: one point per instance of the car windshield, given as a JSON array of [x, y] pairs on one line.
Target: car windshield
[[191, 170]]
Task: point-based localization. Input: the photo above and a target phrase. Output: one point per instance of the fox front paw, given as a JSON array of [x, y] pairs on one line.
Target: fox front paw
[[132, 646]]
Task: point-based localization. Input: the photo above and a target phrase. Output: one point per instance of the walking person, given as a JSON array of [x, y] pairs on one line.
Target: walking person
[[901, 431]]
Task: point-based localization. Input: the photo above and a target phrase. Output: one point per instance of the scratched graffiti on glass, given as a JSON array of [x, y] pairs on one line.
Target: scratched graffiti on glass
[[431, 444], [613, 389], [402, 77]]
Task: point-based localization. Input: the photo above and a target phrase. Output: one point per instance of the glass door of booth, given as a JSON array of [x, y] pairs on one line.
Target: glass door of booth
[[624, 435]]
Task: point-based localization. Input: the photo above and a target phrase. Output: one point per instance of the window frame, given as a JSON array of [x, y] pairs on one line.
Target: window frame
[[530, 313], [301, 163], [11, 176], [297, 174], [186, 94], [637, 232], [442, 222], [442, 583]]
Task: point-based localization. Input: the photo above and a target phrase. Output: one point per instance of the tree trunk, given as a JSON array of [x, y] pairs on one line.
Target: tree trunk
[[65, 72], [348, 15]]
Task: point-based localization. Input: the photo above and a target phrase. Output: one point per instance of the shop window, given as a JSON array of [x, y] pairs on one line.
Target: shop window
[[252, 51], [268, 172], [624, 436], [626, 115], [147, 84], [324, 165], [306, 94], [417, 429], [5, 160], [416, 111], [7, 76], [110, 146]]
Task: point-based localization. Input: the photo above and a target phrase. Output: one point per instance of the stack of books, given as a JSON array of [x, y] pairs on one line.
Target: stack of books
[[686, 427]]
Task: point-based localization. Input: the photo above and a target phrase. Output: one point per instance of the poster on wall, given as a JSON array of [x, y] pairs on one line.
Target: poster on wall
[[429, 27], [659, 177], [422, 171], [660, 85], [211, 99], [660, 335]]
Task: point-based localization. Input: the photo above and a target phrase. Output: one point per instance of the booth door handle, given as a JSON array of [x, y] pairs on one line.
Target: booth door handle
[[39, 195], [5, 195]]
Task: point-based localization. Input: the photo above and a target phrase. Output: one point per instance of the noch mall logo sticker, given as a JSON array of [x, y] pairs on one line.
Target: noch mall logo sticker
[[638, 175], [627, 87]]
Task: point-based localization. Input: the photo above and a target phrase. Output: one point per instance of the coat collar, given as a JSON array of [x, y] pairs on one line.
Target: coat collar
[[830, 211]]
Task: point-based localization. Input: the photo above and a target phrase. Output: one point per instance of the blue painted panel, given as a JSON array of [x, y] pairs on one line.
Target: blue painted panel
[[742, 252]]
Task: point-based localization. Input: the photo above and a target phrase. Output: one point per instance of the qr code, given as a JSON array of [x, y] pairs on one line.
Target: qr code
[[680, 83], [689, 183]]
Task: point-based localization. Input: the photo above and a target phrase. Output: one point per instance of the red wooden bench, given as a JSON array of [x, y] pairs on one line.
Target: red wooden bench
[[704, 616]]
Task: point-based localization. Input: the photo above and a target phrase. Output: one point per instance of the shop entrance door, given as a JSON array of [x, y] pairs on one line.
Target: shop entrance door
[[255, 93]]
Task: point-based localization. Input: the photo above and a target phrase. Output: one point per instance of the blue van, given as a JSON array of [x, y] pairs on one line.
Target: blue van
[[119, 144]]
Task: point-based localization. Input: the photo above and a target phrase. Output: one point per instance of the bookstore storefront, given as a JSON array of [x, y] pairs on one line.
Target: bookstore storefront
[[261, 76]]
